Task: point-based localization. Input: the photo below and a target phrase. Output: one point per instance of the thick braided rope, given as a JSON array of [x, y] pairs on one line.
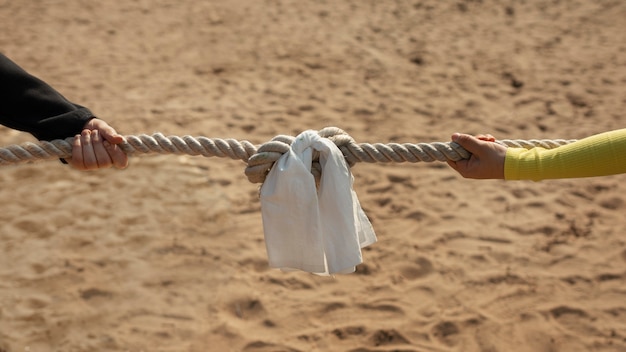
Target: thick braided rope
[[260, 159]]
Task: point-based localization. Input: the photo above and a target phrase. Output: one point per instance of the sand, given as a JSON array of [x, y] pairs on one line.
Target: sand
[[169, 254]]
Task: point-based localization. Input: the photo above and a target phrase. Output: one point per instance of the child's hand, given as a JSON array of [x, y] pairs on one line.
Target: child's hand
[[96, 147], [486, 161]]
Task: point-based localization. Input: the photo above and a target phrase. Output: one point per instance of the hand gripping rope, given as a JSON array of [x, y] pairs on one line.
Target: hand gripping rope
[[260, 159]]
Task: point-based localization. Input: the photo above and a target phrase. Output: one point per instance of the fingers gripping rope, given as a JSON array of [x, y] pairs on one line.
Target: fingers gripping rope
[[260, 159]]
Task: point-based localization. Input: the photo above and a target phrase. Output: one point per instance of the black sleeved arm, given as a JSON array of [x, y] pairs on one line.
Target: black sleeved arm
[[31, 105]]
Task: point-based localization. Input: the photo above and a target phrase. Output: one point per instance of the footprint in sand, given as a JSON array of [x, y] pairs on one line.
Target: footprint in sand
[[262, 346], [248, 308], [421, 267], [349, 331], [573, 319], [388, 337], [446, 332]]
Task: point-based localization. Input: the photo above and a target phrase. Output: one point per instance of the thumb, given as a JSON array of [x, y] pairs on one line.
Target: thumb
[[106, 131], [470, 143], [111, 135]]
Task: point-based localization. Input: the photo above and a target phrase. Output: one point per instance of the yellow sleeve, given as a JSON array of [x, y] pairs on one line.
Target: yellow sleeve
[[599, 155]]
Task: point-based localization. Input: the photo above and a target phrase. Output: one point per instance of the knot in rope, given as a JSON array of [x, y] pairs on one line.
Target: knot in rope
[[268, 153]]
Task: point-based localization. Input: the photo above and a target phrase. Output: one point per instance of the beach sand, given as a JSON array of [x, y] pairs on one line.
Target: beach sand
[[169, 254]]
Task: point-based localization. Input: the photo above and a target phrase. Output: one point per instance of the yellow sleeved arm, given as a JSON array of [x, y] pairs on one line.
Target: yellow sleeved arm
[[599, 155]]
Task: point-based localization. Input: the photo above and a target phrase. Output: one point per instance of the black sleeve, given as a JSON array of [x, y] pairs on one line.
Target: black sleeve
[[31, 105]]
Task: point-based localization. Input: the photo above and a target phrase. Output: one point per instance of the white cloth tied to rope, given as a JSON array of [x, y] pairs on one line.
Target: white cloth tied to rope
[[320, 230]]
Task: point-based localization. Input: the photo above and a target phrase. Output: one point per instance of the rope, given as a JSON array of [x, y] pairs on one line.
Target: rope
[[260, 159]]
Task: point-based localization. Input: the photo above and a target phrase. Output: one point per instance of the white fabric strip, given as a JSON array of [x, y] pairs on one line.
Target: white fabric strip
[[315, 230]]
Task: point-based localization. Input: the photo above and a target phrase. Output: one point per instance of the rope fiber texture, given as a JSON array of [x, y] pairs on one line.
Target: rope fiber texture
[[260, 159]]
